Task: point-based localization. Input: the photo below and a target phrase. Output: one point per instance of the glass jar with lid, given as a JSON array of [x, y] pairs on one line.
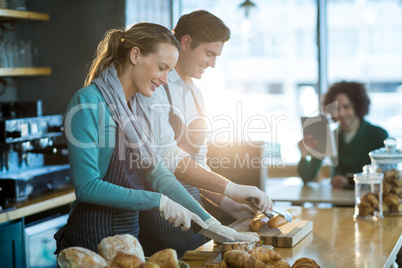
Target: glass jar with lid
[[388, 160], [368, 194]]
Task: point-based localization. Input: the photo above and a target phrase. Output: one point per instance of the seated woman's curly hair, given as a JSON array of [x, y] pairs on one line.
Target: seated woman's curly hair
[[356, 93]]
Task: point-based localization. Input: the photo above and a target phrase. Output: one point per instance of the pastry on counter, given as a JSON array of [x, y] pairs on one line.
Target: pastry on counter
[[265, 255], [241, 259], [127, 243], [305, 263], [166, 258], [80, 257], [123, 260]]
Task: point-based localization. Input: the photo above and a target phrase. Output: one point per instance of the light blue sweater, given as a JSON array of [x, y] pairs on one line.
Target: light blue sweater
[[91, 136]]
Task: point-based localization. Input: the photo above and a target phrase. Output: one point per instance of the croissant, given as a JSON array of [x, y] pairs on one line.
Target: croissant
[[241, 259], [265, 255], [305, 263], [281, 264]]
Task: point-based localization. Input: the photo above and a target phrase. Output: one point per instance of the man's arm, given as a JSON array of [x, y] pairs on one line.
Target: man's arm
[[189, 172]]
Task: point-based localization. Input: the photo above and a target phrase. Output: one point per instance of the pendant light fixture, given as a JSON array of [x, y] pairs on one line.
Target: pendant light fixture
[[248, 9], [247, 5]]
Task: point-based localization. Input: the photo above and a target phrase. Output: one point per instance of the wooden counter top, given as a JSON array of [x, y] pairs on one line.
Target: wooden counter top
[[39, 204], [339, 241]]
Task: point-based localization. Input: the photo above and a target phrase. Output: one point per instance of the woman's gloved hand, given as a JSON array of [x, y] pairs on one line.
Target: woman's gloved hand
[[177, 215], [237, 210], [240, 193], [215, 226]]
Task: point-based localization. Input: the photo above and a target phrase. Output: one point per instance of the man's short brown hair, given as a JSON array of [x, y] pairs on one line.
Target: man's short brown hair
[[203, 27]]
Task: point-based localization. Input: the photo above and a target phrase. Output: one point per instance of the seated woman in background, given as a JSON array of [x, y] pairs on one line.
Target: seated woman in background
[[355, 136]]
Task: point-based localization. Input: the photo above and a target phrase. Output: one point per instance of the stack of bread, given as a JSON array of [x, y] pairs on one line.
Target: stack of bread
[[246, 255], [120, 251]]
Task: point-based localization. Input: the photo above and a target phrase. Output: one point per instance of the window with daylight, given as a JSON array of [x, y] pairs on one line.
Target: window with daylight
[[269, 69]]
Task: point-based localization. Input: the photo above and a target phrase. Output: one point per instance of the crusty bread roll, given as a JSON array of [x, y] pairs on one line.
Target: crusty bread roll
[[78, 257], [258, 222], [305, 263], [278, 220], [127, 243], [123, 260], [166, 258]]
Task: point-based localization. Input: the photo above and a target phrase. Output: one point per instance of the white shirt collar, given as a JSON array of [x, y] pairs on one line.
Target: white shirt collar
[[174, 76]]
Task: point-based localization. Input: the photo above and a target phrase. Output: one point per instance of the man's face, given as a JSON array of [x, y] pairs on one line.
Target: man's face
[[195, 61]]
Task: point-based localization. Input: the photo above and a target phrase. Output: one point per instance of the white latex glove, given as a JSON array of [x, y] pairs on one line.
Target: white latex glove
[[237, 210], [215, 226], [177, 215], [240, 193]]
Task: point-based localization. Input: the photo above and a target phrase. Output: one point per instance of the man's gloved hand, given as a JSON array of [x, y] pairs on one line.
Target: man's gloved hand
[[215, 226], [240, 193], [237, 210], [177, 215]]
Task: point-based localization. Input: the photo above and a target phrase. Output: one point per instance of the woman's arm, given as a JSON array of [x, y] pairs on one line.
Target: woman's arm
[[82, 130], [163, 181]]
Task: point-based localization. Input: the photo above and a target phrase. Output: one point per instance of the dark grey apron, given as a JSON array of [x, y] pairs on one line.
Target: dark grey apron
[[88, 224], [156, 233]]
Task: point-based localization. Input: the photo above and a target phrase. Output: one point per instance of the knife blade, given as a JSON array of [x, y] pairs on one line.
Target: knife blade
[[210, 234], [254, 202]]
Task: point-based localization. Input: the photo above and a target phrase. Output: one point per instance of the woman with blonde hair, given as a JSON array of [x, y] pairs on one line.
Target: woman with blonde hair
[[109, 141]]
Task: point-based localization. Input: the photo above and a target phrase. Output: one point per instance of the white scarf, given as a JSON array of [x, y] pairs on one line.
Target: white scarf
[[133, 119]]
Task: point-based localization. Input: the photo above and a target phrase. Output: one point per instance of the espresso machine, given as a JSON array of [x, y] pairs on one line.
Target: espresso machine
[[27, 140]]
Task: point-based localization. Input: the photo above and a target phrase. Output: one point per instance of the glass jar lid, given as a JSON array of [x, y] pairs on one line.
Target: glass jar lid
[[368, 175], [387, 155]]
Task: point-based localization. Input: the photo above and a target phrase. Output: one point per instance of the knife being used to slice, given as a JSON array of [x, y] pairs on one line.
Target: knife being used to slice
[[254, 202], [208, 233]]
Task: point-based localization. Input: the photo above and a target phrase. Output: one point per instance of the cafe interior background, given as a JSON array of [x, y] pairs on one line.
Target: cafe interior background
[[271, 72]]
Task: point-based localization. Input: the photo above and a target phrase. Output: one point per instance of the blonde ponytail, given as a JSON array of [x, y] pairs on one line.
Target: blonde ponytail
[[117, 44]]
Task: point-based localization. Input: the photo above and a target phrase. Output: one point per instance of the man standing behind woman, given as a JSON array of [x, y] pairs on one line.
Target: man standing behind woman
[[177, 110], [355, 136], [108, 134]]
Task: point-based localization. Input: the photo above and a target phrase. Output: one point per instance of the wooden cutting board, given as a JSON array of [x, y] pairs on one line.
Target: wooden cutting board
[[286, 236]]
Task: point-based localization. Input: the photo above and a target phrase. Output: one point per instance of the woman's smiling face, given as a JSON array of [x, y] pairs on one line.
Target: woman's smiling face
[[152, 70]]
